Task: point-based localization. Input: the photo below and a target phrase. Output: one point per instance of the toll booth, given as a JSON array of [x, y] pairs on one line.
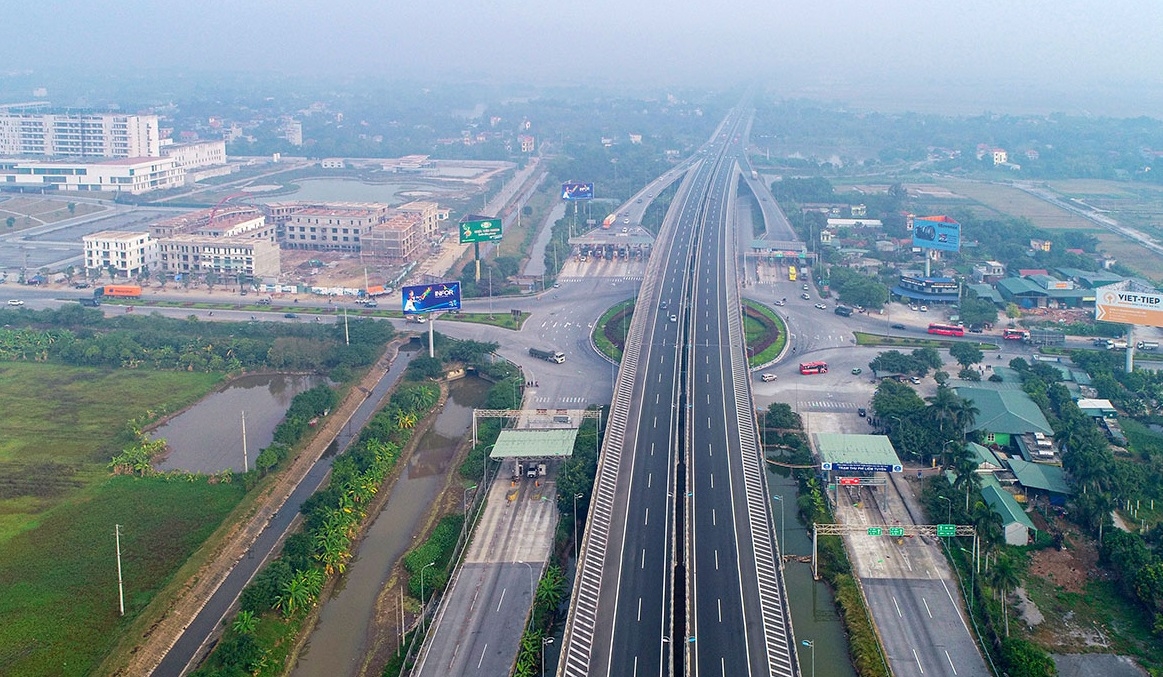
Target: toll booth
[[531, 454], [850, 463]]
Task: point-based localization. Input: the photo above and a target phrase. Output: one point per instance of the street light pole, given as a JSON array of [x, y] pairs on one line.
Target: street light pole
[[430, 564], [949, 517], [812, 645], [545, 641]]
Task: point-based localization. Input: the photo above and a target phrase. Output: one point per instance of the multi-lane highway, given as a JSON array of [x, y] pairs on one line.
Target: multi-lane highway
[[678, 572]]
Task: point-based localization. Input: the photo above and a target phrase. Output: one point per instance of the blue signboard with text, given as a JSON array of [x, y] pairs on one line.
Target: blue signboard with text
[[429, 298], [573, 190], [861, 467], [937, 232]]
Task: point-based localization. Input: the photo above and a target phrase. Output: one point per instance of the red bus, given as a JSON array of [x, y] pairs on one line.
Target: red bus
[[946, 329], [1015, 335], [807, 368]]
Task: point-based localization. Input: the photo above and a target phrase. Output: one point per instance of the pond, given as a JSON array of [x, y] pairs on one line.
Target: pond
[[207, 437]]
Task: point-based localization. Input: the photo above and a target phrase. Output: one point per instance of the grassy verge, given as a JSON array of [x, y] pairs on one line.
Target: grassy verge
[[504, 320], [600, 337], [867, 339], [765, 329]]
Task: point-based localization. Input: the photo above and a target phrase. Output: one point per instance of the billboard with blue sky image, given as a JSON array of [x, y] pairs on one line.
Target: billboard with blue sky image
[[937, 232], [572, 190], [429, 298]]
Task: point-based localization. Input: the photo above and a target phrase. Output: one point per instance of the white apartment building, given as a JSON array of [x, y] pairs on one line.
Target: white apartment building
[[79, 135], [199, 154], [134, 175], [129, 254], [227, 257]]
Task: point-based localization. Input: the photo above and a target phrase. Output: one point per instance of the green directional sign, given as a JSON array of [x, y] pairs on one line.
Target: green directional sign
[[480, 230], [896, 532], [875, 531], [946, 529]]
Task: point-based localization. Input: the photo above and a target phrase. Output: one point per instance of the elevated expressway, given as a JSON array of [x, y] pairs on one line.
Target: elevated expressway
[[678, 573]]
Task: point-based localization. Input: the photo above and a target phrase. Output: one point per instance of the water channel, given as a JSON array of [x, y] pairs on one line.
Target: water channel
[[813, 609], [207, 437], [338, 644]]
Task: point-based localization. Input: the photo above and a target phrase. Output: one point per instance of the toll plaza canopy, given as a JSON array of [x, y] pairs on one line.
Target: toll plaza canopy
[[856, 453], [525, 444]]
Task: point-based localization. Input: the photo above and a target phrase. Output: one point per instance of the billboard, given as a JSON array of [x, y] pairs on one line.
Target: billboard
[[937, 232], [862, 467], [572, 190], [1123, 306], [480, 229], [429, 298]]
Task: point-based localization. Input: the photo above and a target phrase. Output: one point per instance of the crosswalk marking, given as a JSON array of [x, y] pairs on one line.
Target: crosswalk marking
[[564, 400], [824, 405]]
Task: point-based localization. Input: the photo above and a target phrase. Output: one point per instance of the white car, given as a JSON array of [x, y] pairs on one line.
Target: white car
[[15, 302], [674, 318], [924, 309], [821, 306], [767, 378]]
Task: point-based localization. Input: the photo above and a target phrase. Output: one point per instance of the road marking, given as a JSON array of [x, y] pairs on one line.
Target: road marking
[[918, 661], [716, 559], [482, 658], [657, 397], [927, 609], [639, 609], [712, 480], [898, 607], [646, 521], [643, 566], [719, 602], [651, 448], [649, 479], [655, 421], [714, 518], [502, 600], [950, 659], [710, 450]]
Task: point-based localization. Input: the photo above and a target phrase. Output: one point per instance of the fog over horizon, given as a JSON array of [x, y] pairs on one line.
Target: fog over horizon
[[982, 55]]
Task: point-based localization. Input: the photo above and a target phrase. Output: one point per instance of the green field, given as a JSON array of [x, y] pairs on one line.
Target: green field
[[58, 507]]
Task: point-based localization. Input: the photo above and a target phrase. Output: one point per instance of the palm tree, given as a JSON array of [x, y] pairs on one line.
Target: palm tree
[[245, 622], [405, 420], [1005, 578]]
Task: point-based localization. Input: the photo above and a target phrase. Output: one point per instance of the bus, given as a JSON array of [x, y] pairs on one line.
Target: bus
[[807, 368], [1016, 335], [791, 273], [946, 329]]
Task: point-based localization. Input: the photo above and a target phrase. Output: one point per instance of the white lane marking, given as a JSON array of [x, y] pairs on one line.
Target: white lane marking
[[643, 565], [482, 658], [927, 609], [898, 608], [712, 480], [651, 448], [714, 518], [950, 659], [639, 609], [649, 479], [716, 559], [646, 521], [657, 397], [719, 602], [655, 421], [918, 661], [502, 600]]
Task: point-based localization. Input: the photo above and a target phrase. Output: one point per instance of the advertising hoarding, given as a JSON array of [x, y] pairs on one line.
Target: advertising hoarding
[[479, 229], [862, 467], [937, 232], [1122, 306], [573, 190], [428, 298]]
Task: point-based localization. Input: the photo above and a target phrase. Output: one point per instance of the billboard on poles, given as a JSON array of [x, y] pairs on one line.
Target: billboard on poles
[[937, 232], [429, 298], [479, 229], [573, 190], [1122, 304]]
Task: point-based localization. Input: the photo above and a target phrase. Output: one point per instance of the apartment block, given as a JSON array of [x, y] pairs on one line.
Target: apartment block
[[227, 257], [129, 254], [134, 175], [79, 135]]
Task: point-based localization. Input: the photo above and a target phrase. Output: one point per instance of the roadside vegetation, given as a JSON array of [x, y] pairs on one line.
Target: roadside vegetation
[[611, 329], [764, 333]]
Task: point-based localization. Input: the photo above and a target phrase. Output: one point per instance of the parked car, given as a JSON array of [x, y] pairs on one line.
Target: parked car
[[821, 306], [861, 412], [898, 326], [924, 309], [780, 303], [767, 377], [915, 380], [15, 302], [857, 371], [805, 296]]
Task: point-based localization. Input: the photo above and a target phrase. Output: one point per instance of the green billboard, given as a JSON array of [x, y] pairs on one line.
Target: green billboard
[[480, 230]]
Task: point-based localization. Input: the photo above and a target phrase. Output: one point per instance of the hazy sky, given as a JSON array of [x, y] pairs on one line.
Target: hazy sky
[[1077, 49]]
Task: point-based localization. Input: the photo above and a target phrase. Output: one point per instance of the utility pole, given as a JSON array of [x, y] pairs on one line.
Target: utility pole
[[245, 462], [120, 586]]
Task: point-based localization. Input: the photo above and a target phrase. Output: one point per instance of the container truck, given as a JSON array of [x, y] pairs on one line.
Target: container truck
[[118, 291], [548, 355], [1147, 345], [609, 220]]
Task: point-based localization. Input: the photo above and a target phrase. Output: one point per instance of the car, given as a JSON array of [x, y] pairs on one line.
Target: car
[[914, 380], [861, 412], [821, 306], [291, 316], [662, 305], [371, 304], [625, 230], [81, 285], [898, 326], [924, 309], [639, 200], [913, 307], [557, 285], [767, 377], [805, 296], [674, 318], [780, 303], [805, 287], [976, 328], [650, 195], [857, 371], [15, 302]]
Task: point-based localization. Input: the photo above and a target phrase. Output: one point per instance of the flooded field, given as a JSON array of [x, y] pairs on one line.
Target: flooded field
[[207, 437]]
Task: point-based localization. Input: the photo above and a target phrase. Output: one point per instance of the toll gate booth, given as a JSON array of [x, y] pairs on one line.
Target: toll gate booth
[[530, 453], [850, 463]]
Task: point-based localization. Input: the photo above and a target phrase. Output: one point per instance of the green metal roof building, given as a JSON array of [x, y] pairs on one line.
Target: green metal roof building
[[1004, 412]]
